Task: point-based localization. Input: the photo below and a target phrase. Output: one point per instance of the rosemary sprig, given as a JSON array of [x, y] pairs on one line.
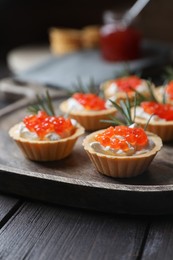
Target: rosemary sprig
[[124, 108], [145, 127], [140, 97], [152, 95], [90, 87], [44, 104], [164, 97], [168, 74]]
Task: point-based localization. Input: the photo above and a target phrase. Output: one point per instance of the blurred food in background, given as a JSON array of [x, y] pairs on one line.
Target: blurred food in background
[[66, 40]]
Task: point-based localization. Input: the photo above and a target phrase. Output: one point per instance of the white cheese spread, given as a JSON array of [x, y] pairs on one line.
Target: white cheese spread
[[112, 89], [24, 132], [107, 150], [142, 114], [73, 104]]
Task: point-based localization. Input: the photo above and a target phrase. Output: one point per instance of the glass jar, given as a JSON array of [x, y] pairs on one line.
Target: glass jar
[[118, 42]]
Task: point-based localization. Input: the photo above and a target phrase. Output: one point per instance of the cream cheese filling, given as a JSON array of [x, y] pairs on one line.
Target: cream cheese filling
[[142, 114], [132, 149], [73, 104], [107, 150], [112, 89], [24, 132]]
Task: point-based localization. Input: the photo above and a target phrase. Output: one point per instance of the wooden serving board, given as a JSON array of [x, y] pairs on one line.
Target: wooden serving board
[[75, 182]]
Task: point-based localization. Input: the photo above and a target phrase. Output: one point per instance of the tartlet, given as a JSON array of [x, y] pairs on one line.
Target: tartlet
[[124, 150], [120, 166], [161, 122], [46, 150], [43, 136], [118, 89], [89, 115]]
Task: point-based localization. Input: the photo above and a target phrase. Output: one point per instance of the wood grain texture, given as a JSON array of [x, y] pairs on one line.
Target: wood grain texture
[[38, 231], [75, 182], [7, 204], [159, 242]]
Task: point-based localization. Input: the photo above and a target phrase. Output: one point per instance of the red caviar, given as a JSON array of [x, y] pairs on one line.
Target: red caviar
[[42, 124], [128, 83], [169, 89], [90, 101], [119, 137], [164, 111]]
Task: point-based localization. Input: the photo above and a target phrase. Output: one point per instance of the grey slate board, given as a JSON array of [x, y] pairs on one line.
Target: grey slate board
[[63, 71]]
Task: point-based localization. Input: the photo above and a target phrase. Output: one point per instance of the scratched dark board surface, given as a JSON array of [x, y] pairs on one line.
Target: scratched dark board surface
[[75, 182]]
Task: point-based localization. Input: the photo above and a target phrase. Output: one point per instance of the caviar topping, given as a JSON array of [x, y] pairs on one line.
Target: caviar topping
[[164, 111], [90, 101], [126, 84], [123, 138], [43, 124]]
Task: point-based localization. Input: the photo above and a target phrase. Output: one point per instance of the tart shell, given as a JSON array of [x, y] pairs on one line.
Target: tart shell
[[162, 129], [90, 120], [45, 150], [121, 166]]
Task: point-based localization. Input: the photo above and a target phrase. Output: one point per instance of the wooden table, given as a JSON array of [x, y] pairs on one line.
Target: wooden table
[[35, 230]]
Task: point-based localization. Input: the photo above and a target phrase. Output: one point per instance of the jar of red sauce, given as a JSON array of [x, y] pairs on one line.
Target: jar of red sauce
[[118, 42]]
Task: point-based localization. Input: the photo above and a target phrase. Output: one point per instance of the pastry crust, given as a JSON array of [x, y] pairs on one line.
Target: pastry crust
[[90, 120], [121, 166], [164, 129], [45, 150]]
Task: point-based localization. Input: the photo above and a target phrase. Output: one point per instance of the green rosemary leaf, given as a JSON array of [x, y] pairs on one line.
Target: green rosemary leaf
[[33, 109], [147, 123], [116, 106], [168, 74], [44, 104], [152, 96], [49, 103], [125, 112], [164, 97], [89, 87], [135, 105], [128, 106], [117, 119], [80, 86], [139, 96], [114, 121], [41, 103]]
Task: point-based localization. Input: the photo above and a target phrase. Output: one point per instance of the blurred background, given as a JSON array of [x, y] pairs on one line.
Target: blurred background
[[28, 22]]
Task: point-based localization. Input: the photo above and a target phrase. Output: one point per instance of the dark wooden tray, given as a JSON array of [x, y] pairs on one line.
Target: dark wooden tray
[[75, 182]]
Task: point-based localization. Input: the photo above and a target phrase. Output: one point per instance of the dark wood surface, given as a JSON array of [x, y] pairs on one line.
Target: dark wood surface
[[30, 229]]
